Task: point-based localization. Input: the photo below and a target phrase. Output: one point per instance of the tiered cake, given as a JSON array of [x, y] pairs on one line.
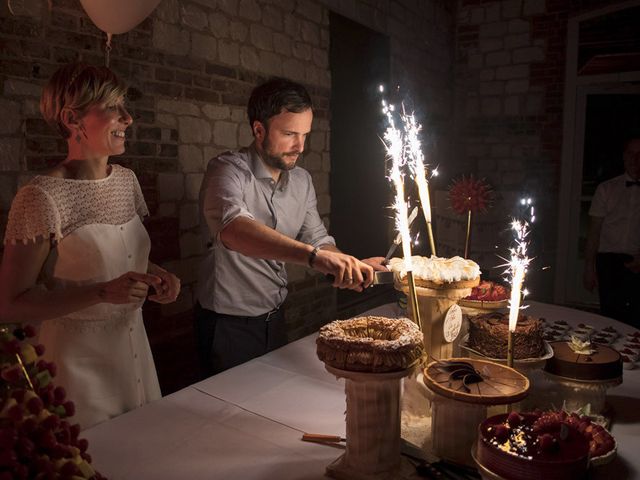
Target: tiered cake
[[440, 283]]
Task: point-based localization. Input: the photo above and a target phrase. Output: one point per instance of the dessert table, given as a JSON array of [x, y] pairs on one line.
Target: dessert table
[[247, 422]]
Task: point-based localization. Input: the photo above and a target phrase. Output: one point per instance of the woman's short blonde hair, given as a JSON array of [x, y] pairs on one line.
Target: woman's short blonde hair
[[77, 87]]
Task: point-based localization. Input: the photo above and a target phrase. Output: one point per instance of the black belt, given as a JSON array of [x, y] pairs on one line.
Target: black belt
[[265, 317]]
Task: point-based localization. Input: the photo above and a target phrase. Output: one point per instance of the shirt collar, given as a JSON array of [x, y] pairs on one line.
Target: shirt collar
[[260, 171]]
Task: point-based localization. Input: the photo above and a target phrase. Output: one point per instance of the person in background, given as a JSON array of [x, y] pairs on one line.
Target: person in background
[[259, 212], [612, 262], [76, 252]]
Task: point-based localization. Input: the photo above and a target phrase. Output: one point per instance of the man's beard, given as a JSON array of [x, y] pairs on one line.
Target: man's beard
[[279, 160]]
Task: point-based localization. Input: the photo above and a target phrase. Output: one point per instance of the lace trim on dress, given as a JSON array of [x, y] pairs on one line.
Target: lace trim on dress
[[117, 320], [51, 207]]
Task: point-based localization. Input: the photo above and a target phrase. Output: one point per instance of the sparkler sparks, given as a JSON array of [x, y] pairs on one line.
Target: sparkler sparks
[[405, 149], [518, 265], [415, 160], [395, 152], [395, 144]]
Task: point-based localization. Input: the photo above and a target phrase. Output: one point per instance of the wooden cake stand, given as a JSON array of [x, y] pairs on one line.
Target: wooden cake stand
[[460, 401], [373, 426]]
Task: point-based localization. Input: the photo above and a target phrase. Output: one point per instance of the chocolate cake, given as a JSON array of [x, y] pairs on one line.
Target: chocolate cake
[[488, 335], [603, 364], [520, 446]]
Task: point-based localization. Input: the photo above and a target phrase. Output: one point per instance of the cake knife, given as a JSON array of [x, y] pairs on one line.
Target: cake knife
[[398, 239], [379, 278]]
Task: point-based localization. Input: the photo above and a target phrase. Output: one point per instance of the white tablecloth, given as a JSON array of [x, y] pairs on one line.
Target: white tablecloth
[[246, 423]]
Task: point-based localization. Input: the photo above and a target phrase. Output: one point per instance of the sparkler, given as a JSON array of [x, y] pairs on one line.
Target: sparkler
[[518, 265], [418, 169], [394, 143]]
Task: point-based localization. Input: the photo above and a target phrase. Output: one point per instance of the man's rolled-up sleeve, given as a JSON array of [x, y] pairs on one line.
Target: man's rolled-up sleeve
[[222, 196], [313, 230]]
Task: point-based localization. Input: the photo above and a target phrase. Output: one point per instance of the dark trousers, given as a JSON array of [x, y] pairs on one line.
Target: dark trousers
[[619, 288], [224, 341]]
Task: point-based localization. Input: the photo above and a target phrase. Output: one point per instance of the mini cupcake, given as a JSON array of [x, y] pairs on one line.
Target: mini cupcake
[[632, 336], [632, 346], [551, 337], [611, 331], [610, 335], [635, 341], [602, 339], [561, 324], [630, 354]]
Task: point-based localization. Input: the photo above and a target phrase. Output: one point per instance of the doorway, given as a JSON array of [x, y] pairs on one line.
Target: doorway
[[601, 91], [606, 116], [359, 61]]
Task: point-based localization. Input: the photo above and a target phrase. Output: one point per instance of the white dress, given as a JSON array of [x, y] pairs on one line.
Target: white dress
[[102, 352]]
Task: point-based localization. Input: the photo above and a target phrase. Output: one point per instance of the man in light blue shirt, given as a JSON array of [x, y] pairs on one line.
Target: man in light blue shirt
[[259, 212]]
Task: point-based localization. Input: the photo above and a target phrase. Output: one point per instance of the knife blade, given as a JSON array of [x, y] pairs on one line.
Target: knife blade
[[382, 278], [379, 278], [398, 239]]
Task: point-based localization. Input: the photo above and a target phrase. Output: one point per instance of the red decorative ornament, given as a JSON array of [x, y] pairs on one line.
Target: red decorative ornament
[[470, 195]]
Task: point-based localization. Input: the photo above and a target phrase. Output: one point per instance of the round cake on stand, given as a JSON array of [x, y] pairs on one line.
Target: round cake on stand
[[583, 377], [372, 354], [463, 389]]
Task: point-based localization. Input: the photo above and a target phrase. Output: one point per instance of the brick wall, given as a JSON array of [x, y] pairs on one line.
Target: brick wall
[[509, 72], [190, 67]]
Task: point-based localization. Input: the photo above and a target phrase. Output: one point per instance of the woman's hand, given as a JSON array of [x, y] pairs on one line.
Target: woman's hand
[[168, 289], [132, 287]]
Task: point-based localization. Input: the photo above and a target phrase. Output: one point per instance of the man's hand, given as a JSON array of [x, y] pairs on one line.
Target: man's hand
[[376, 263], [634, 265], [347, 271]]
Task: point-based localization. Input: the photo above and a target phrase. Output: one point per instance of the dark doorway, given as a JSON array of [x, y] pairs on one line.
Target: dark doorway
[[610, 118], [359, 62]]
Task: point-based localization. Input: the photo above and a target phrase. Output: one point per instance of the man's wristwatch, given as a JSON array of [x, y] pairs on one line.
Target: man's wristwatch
[[312, 256]]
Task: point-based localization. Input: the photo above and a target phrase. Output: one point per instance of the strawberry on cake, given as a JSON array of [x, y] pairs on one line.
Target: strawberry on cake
[[487, 295], [522, 447]]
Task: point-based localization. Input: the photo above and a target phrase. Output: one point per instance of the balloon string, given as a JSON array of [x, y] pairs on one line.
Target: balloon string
[[107, 50]]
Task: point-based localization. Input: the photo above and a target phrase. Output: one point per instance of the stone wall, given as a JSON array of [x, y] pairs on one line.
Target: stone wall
[[509, 73], [190, 67]]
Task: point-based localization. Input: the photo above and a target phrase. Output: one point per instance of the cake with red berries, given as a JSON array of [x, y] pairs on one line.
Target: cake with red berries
[[486, 296], [599, 363], [370, 344], [602, 445], [488, 335], [524, 447]]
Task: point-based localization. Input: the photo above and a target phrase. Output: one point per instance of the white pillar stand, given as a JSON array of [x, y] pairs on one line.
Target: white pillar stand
[[373, 426]]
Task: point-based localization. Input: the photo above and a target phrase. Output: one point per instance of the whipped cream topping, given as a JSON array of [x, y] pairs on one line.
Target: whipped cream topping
[[438, 269]]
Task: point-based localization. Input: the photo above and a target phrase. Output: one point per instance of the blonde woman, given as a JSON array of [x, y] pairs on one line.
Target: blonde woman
[[76, 253]]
